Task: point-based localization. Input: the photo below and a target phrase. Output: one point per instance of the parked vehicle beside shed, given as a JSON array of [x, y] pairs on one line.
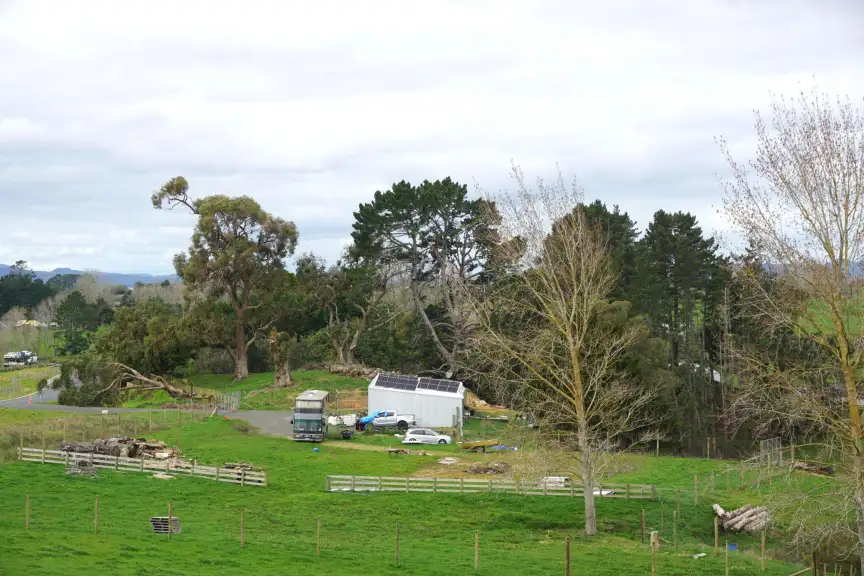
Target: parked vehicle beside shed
[[308, 423]]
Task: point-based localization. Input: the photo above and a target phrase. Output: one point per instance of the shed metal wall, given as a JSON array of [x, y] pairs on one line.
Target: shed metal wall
[[431, 410]]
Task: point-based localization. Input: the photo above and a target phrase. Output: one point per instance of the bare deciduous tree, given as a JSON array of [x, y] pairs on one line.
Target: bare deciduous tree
[[800, 203], [547, 333], [46, 311], [89, 287]]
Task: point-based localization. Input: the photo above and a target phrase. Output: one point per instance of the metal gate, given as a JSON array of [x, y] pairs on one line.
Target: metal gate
[[771, 451], [228, 402]]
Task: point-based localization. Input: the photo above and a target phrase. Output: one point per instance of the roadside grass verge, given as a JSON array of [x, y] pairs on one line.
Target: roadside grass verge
[[26, 378]]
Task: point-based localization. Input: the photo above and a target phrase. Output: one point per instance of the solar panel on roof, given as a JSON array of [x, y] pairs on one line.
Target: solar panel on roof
[[396, 381], [439, 385]]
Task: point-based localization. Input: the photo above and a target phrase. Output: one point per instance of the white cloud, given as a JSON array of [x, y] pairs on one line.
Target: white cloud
[[311, 107]]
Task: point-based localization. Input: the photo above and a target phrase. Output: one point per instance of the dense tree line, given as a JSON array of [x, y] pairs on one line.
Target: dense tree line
[[397, 298]]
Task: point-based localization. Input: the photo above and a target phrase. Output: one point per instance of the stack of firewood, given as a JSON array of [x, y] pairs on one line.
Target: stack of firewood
[[124, 447], [749, 519]]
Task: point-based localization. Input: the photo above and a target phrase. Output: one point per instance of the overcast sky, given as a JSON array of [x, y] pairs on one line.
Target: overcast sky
[[312, 106]]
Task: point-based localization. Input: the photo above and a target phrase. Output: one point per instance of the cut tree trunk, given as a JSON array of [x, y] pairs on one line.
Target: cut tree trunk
[[282, 378], [748, 518]]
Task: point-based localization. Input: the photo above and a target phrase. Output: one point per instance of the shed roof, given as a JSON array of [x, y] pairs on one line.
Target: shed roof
[[418, 385], [313, 395]]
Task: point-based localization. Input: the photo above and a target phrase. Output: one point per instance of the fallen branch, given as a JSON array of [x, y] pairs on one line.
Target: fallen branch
[[131, 379]]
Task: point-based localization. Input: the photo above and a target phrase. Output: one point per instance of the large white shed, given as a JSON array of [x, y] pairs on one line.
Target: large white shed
[[435, 403]]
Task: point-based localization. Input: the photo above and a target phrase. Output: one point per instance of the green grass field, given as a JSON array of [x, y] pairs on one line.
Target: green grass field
[[518, 534]]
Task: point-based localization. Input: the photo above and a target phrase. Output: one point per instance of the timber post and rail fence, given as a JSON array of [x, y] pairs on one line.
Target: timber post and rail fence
[[340, 483], [146, 465]]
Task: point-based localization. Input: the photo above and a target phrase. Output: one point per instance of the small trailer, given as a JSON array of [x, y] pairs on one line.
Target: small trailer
[[477, 445], [346, 423]]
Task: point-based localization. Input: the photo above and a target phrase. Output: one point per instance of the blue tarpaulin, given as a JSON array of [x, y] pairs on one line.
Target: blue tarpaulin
[[370, 417]]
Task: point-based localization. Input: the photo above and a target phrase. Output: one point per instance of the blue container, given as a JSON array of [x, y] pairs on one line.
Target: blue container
[[315, 450], [733, 547]]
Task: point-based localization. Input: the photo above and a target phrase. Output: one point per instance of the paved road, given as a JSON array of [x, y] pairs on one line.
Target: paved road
[[271, 422]]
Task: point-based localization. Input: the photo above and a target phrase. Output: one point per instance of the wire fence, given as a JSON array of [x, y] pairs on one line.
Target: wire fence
[[397, 540]]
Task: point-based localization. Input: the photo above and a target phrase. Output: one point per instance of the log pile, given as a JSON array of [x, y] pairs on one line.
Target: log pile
[[490, 468], [353, 371], [124, 447], [819, 469], [749, 519]]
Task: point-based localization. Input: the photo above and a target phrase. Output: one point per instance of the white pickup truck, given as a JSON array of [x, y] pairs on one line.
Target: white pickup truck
[[389, 418]]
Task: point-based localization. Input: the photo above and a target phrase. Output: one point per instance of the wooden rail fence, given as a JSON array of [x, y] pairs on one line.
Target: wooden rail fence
[[147, 465], [337, 483]]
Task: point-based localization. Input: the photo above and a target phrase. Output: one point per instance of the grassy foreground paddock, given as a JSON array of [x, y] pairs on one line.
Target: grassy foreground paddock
[[518, 535]]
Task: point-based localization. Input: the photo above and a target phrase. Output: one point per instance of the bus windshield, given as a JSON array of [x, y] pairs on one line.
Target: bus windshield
[[307, 426]]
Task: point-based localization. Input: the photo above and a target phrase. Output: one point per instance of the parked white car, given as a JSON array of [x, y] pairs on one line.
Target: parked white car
[[425, 436]]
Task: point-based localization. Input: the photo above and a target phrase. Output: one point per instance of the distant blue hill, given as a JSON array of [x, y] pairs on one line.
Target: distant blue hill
[[112, 278]]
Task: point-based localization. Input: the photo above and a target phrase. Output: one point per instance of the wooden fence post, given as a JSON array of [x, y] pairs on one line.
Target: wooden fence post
[[27, 512], [643, 526], [741, 475], [716, 536], [695, 490], [763, 549], [628, 491], [96, 517], [726, 558], [567, 556], [793, 452], [169, 520], [675, 528], [396, 555], [476, 550], [655, 544], [318, 539], [242, 527], [657, 446]]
